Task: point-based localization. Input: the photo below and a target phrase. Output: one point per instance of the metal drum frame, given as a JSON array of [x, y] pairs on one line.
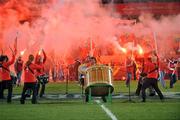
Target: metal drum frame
[[102, 87]]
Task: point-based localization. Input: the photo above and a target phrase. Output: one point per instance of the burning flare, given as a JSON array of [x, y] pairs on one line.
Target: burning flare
[[123, 50], [140, 50], [22, 52], [40, 50], [118, 46]]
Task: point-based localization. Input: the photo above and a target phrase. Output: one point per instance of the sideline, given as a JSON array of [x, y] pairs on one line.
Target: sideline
[[108, 112]]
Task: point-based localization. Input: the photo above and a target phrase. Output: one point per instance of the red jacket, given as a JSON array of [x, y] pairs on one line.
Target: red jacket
[[149, 68], [18, 66], [30, 73], [38, 57], [5, 73], [172, 67], [129, 66], [162, 66], [40, 71]]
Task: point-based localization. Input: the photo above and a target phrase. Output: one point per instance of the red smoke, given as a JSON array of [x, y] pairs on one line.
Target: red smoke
[[63, 27]]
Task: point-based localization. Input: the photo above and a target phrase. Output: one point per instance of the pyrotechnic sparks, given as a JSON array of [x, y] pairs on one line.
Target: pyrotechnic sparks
[[64, 34], [118, 46], [123, 50], [140, 50], [61, 28], [39, 53], [22, 52]]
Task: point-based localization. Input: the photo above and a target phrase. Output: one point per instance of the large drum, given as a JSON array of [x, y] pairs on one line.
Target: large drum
[[99, 80]]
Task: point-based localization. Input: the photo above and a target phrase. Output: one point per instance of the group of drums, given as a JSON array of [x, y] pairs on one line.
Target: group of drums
[[97, 80]]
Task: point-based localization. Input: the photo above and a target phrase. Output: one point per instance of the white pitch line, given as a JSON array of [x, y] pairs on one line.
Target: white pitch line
[[108, 112]]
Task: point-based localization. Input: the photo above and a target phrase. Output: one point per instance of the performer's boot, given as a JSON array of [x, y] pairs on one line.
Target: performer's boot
[[104, 98], [87, 99], [143, 100]]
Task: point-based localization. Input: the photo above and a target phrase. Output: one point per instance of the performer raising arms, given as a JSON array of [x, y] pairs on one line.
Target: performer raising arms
[[40, 74], [18, 67], [30, 79], [5, 75]]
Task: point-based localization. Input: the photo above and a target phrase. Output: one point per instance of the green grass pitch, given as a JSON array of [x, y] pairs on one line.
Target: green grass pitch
[[77, 109]]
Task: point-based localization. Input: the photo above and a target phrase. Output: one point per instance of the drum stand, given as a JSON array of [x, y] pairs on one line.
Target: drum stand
[[82, 89], [81, 82], [67, 82], [129, 93], [109, 96]]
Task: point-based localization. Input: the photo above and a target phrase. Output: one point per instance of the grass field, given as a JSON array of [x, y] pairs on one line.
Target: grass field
[[73, 87], [77, 109]]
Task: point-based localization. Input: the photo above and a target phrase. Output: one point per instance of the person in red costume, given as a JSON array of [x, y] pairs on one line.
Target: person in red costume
[[30, 81], [172, 68], [40, 74], [150, 76], [129, 70], [5, 78], [18, 67]]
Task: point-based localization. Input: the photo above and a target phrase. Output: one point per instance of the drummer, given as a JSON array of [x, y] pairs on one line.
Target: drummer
[[90, 61]]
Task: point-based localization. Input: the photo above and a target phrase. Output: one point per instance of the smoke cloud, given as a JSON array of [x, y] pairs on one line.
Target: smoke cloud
[[64, 27]]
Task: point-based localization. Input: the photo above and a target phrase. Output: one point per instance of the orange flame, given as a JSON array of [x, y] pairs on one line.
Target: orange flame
[[119, 47], [39, 53], [22, 52], [140, 50], [123, 50]]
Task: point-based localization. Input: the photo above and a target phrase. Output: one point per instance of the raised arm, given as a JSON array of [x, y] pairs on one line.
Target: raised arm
[[45, 57], [12, 59], [36, 58]]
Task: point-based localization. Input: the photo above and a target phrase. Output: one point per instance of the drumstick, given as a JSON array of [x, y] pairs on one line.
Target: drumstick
[[11, 50], [15, 42]]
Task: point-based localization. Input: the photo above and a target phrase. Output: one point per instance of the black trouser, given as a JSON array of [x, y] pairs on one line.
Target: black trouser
[[43, 86], [138, 90], [173, 79], [147, 82], [6, 84], [151, 91], [14, 79], [29, 86]]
